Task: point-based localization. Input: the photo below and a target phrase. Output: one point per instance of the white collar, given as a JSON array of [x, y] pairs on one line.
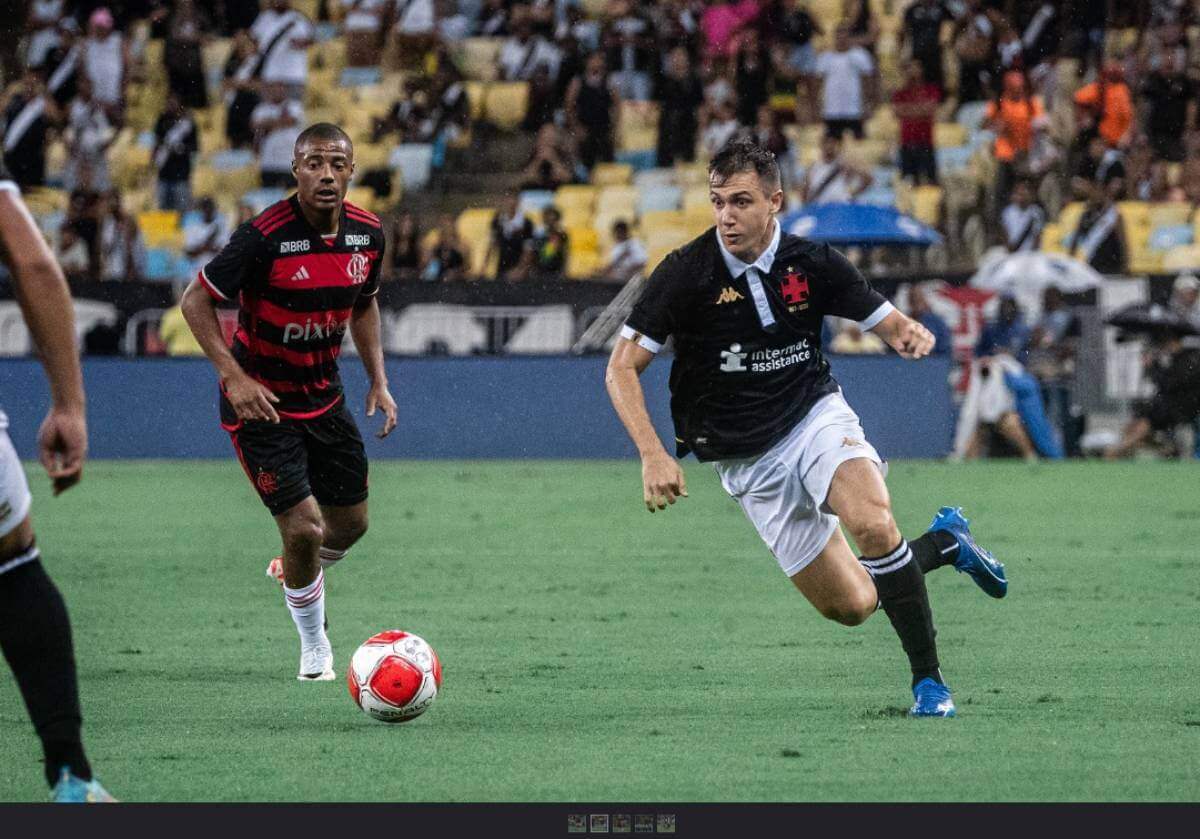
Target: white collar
[[764, 262]]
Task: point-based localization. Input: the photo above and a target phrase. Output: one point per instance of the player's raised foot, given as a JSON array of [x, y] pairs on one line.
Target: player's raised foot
[[73, 790], [985, 569], [275, 570], [932, 699], [316, 664]]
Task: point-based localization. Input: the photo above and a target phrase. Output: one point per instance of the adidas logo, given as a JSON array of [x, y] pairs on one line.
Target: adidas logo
[[729, 295], [302, 274]]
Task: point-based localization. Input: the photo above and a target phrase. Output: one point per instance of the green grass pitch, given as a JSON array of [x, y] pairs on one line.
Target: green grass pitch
[[593, 652]]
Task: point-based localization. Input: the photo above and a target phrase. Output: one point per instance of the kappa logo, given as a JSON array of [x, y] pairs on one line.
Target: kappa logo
[[302, 274], [358, 267], [729, 295], [300, 246], [850, 442], [732, 359]]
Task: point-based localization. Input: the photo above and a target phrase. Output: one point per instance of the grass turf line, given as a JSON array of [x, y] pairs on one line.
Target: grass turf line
[[593, 652]]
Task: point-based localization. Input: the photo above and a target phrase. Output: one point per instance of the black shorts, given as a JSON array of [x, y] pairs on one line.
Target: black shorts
[[289, 461], [918, 162]]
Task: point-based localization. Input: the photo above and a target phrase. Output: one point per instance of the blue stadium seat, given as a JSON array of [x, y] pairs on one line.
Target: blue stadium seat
[[415, 162], [163, 265], [639, 159], [533, 201], [953, 159], [361, 76], [660, 197], [233, 159]]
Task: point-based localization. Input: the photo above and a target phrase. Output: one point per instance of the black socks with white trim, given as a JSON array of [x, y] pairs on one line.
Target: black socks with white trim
[[900, 582]]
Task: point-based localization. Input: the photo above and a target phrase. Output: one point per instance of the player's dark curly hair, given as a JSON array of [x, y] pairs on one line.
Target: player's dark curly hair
[[745, 155], [323, 132]]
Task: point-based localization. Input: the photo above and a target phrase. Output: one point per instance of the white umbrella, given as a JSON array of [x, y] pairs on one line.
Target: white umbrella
[[1027, 275]]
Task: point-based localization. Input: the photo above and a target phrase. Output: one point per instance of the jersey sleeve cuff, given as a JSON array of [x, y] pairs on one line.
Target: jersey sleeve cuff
[[639, 338], [210, 288], [873, 320], [9, 186]]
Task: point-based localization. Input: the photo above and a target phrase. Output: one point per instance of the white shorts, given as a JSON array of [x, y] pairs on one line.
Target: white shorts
[[14, 491], [783, 490]]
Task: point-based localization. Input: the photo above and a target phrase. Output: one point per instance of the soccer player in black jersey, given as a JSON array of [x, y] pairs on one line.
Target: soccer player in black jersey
[[35, 631], [752, 393], [303, 272]]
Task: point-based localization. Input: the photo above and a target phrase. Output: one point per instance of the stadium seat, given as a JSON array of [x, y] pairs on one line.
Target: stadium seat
[[1170, 214], [583, 240], [261, 198], [1143, 261], [971, 115], [476, 92], [505, 104], [161, 228], [927, 204], [533, 201], [478, 58], [576, 196], [652, 177], [639, 159], [575, 216], [362, 196], [1183, 258], [695, 202], [582, 264], [360, 76], [414, 162], [617, 199], [1170, 236], [692, 174], [163, 265], [612, 174], [1070, 215], [1053, 235], [474, 228], [659, 198]]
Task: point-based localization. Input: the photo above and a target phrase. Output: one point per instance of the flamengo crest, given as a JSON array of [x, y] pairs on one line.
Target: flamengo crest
[[357, 267]]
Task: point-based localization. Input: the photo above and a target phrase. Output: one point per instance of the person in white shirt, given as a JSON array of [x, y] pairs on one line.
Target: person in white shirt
[[105, 58], [88, 135], [283, 36], [627, 257], [362, 27], [276, 122], [47, 23], [1023, 220], [414, 33], [524, 52], [843, 93], [203, 239], [721, 127], [831, 179]]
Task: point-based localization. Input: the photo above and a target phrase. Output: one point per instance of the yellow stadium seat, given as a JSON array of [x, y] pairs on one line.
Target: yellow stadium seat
[[362, 196], [696, 202], [479, 57], [692, 174], [368, 156], [583, 239], [637, 138], [1165, 215], [237, 181], [949, 135], [927, 204], [204, 182], [576, 196], [619, 199], [582, 264], [663, 220], [505, 104], [475, 96], [575, 216], [612, 174], [1182, 258], [1070, 215], [1052, 238], [1143, 261]]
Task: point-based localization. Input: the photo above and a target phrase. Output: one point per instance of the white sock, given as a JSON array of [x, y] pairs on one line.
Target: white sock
[[307, 606], [329, 557]]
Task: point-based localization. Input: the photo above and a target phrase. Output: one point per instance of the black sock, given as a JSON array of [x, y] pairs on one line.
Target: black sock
[[933, 550], [35, 634], [901, 587]]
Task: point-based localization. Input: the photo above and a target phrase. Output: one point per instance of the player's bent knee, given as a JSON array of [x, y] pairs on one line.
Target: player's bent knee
[[306, 533], [873, 527]]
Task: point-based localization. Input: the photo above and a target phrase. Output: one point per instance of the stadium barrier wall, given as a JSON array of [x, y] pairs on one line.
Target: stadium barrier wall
[[516, 407]]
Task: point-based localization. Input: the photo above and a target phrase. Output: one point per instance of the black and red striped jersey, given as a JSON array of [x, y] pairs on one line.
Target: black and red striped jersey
[[296, 290]]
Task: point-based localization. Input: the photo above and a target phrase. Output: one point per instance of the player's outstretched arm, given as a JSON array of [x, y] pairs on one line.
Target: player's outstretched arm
[[662, 477], [905, 335], [45, 302], [365, 329], [251, 400]]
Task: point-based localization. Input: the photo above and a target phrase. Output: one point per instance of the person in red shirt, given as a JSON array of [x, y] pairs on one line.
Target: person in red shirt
[[915, 105]]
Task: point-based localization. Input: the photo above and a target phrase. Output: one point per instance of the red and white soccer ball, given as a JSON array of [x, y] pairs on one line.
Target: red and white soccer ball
[[394, 676]]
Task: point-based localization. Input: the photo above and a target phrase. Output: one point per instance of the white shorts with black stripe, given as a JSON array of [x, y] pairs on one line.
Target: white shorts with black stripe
[[14, 490], [783, 491]]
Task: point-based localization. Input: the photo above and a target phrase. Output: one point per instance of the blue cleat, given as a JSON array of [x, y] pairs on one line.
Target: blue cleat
[[72, 790], [985, 569], [932, 700]]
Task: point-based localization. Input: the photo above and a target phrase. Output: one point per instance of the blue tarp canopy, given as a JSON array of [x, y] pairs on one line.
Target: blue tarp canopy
[[858, 224]]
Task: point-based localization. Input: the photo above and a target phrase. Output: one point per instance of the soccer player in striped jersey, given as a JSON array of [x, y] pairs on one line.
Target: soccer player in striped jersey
[[303, 272]]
